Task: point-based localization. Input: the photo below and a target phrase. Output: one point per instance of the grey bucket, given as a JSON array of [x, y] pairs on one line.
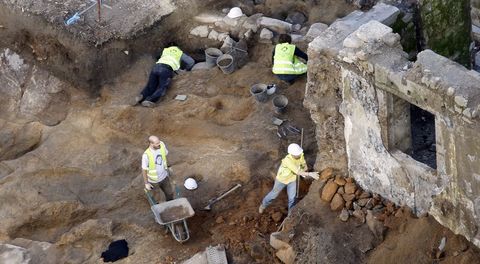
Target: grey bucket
[[259, 90], [225, 63], [211, 56], [280, 103]]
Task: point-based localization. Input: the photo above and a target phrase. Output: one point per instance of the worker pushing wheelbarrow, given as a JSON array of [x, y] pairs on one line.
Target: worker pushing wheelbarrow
[[156, 175]]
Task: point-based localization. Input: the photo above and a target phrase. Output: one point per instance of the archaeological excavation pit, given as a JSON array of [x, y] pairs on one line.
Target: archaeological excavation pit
[[392, 135]]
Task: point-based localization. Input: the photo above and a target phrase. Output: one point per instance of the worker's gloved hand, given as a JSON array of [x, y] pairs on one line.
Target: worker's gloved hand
[[148, 187], [314, 175], [304, 174]]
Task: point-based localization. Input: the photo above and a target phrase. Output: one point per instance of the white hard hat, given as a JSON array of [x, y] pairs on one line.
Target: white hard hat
[[190, 184], [235, 12], [295, 149]]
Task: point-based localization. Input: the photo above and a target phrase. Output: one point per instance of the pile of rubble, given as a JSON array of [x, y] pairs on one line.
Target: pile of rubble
[[235, 24], [350, 200]]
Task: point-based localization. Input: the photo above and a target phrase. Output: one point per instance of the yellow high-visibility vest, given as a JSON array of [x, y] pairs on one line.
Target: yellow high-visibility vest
[[288, 168], [152, 168], [171, 56], [285, 61]]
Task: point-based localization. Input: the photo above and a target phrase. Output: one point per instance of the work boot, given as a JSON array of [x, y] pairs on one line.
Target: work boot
[[148, 104], [261, 209], [138, 98]]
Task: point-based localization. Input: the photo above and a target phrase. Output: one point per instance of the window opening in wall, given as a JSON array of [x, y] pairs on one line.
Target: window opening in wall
[[412, 131], [423, 136]]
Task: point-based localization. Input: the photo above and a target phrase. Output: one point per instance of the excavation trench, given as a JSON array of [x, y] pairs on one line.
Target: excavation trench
[[71, 172]]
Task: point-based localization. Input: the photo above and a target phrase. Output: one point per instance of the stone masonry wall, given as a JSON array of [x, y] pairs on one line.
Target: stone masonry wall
[[364, 70]]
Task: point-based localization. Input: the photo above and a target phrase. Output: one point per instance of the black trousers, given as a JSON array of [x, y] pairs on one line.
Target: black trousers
[[158, 82]]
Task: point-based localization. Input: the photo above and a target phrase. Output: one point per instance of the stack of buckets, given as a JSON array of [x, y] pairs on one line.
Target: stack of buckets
[[215, 56]]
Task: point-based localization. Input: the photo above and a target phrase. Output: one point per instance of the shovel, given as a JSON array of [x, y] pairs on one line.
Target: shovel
[[214, 200]]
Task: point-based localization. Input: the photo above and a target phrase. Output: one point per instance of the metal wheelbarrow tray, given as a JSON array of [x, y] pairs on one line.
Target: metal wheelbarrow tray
[[173, 215]]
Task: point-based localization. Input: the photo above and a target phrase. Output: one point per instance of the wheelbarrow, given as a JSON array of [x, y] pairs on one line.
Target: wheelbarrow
[[173, 214]]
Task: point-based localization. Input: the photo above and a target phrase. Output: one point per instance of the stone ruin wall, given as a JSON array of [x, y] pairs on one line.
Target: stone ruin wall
[[358, 78]]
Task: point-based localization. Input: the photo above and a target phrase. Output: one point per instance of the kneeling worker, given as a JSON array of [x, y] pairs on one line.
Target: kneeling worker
[[172, 59], [286, 63], [155, 170], [292, 166]]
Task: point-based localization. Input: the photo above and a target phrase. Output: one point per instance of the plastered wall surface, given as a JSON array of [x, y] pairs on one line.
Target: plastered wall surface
[[360, 80]]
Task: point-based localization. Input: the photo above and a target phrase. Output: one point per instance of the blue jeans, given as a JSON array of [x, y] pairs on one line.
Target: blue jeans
[[158, 82], [277, 188]]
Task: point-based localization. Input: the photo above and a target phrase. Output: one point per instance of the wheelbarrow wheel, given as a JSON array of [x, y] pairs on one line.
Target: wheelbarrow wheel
[[180, 233]]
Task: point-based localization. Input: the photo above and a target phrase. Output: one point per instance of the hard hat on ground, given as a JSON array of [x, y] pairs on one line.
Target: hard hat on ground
[[295, 149], [235, 12], [190, 184]]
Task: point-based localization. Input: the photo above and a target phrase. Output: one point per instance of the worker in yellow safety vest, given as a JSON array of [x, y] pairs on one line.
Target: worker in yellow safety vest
[[286, 60], [172, 60], [292, 166], [155, 170]]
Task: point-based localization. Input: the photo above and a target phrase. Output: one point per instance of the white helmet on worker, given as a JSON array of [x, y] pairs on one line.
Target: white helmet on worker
[[235, 12], [190, 184], [295, 149]]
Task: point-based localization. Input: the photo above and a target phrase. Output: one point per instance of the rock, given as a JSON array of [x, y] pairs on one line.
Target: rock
[[233, 22], [220, 220], [266, 36], [248, 34], [200, 31], [279, 240], [277, 217], [337, 203], [461, 101], [372, 31], [259, 2], [349, 205], [276, 25], [352, 42], [358, 192], [315, 30], [344, 215], [296, 17], [360, 215], [213, 35], [365, 195], [340, 181], [16, 139], [375, 226], [326, 174], [350, 187], [329, 191], [13, 254], [390, 207], [363, 202], [286, 255], [252, 22], [349, 180], [222, 36], [391, 39], [202, 66], [348, 197], [341, 190], [296, 38]]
